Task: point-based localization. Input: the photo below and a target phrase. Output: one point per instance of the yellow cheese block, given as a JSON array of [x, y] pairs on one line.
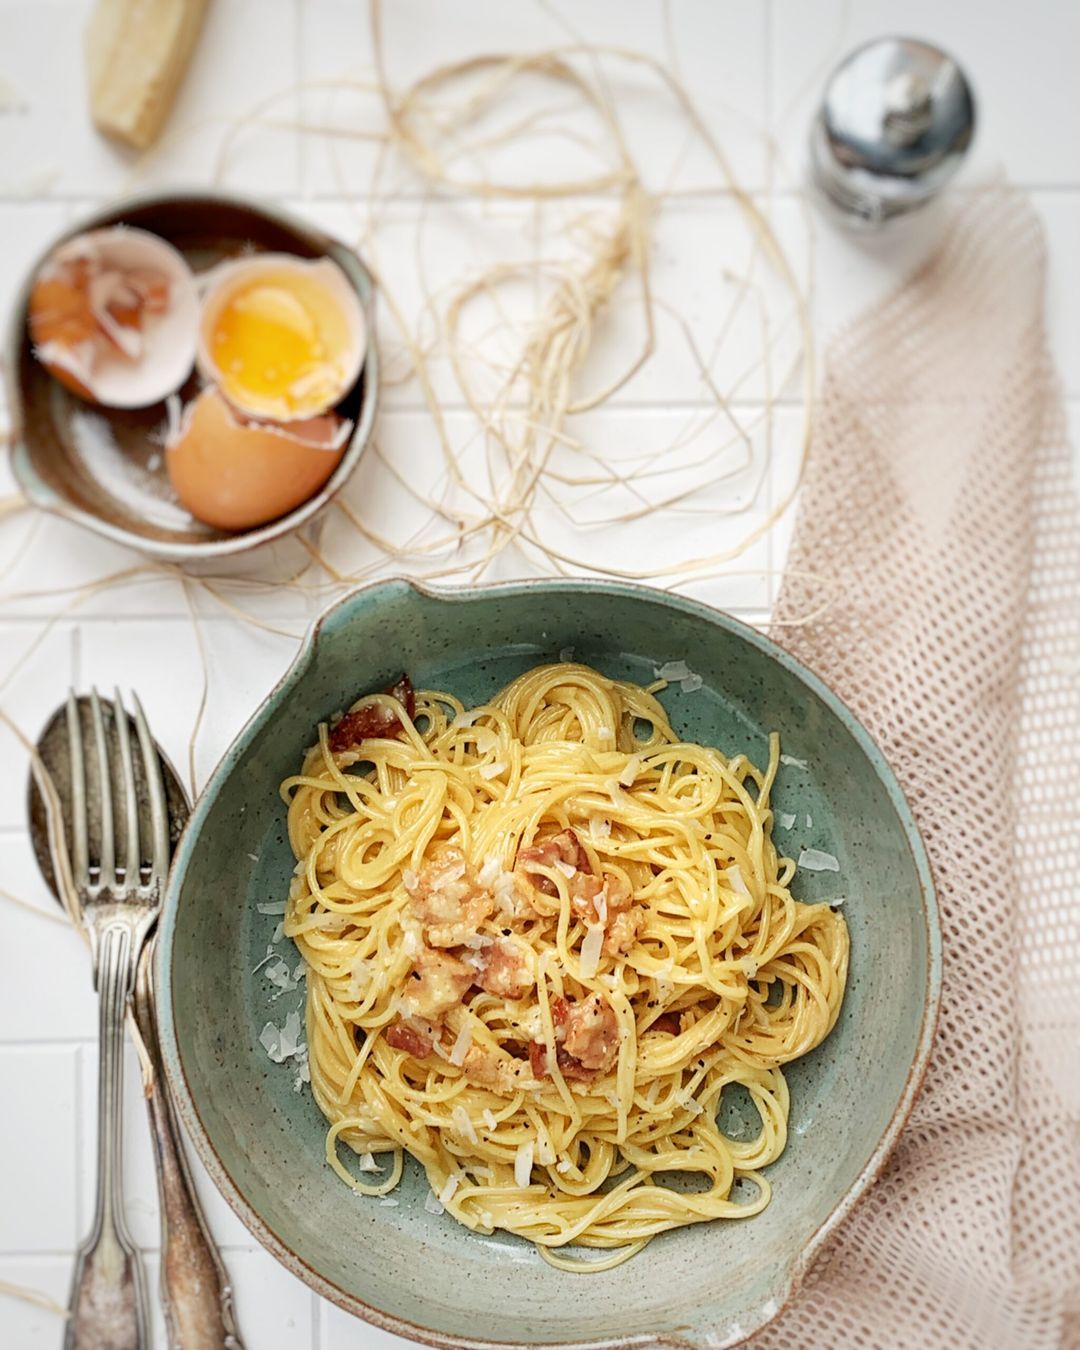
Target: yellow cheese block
[[136, 54]]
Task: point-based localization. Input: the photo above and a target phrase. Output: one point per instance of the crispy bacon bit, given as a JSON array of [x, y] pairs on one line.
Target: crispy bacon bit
[[587, 1039], [502, 971], [436, 984], [623, 931], [564, 847], [363, 724], [591, 1033], [570, 1068], [448, 900], [497, 1073], [586, 891], [401, 1036], [667, 1022]]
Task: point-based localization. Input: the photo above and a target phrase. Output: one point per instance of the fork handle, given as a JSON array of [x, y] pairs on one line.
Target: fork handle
[[108, 1294], [195, 1291]]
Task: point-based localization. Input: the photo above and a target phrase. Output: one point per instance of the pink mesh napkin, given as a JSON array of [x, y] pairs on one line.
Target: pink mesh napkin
[[939, 516]]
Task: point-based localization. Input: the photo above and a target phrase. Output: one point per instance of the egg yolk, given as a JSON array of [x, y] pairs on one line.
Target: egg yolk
[[278, 343]]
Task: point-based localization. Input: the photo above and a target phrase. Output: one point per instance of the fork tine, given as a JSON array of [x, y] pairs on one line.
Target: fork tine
[[108, 835], [131, 800], [81, 858], [155, 787]]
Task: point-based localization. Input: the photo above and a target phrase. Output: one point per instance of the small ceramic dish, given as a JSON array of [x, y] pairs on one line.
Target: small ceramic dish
[[104, 467], [423, 1275]]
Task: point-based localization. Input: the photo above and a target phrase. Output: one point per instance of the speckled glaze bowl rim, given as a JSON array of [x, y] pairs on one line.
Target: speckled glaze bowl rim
[[111, 213], [770, 1307]]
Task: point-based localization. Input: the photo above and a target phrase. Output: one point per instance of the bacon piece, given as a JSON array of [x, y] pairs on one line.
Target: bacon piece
[[570, 1068], [497, 1073], [436, 984], [623, 931], [564, 847], [586, 1036], [448, 900], [591, 1033], [401, 1036], [364, 724], [592, 896], [503, 972]]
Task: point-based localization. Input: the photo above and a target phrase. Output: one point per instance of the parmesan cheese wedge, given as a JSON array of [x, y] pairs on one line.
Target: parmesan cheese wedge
[[137, 52]]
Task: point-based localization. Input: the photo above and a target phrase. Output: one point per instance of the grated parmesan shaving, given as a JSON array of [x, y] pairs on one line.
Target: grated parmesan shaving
[[450, 1186], [409, 879], [564, 1165], [431, 1203], [462, 1124], [566, 654], [735, 880], [490, 872], [672, 670], [601, 907], [817, 860], [285, 1042], [547, 1153], [492, 770], [567, 869], [461, 1045], [254, 857], [600, 827], [272, 907], [388, 1202], [591, 947], [367, 1163], [523, 1161], [785, 819], [691, 684], [605, 733], [795, 763], [279, 933], [628, 777], [809, 821]]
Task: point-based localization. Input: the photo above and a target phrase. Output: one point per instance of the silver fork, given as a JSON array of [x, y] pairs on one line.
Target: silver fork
[[119, 907]]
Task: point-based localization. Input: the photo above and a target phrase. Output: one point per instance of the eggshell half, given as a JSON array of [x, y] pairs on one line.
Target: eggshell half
[[136, 368], [222, 284], [234, 474]]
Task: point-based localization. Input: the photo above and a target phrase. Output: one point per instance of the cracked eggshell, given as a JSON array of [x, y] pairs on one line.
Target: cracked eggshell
[[257, 292], [235, 474], [73, 309]]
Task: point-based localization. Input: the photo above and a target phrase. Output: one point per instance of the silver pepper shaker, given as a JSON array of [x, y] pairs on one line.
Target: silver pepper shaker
[[895, 122]]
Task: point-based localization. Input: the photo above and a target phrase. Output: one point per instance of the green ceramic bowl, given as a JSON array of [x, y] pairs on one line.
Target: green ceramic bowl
[[423, 1275]]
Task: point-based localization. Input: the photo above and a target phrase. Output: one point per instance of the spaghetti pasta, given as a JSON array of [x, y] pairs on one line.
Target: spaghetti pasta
[[543, 938]]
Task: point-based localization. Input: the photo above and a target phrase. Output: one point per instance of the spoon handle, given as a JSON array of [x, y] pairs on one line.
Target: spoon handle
[[108, 1292], [195, 1291]]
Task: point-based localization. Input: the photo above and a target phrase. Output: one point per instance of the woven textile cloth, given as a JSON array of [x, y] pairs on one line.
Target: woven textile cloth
[[938, 535]]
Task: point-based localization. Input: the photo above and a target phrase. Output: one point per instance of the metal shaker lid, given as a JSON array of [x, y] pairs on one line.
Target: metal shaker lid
[[897, 118]]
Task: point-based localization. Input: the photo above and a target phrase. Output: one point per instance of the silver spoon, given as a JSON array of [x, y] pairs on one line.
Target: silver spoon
[[195, 1291]]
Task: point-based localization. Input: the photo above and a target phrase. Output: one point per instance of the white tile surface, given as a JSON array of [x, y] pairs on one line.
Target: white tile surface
[[751, 67], [25, 1324], [36, 667], [38, 1150]]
